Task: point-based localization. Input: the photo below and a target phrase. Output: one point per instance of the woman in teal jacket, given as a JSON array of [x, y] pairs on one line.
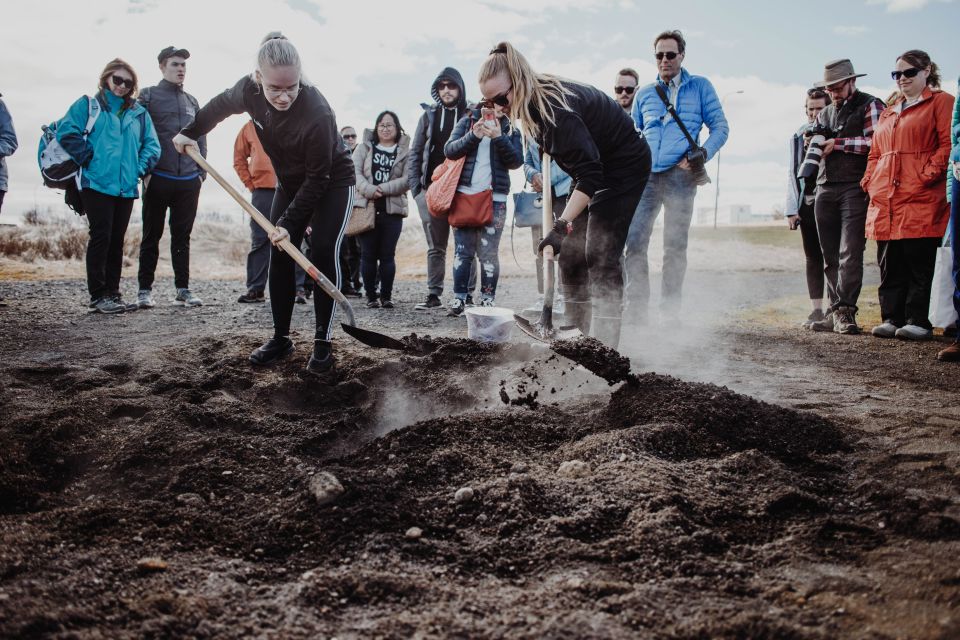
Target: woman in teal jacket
[[120, 148]]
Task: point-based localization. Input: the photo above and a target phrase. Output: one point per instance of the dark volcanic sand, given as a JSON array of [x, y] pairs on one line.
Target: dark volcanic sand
[[684, 510], [596, 357]]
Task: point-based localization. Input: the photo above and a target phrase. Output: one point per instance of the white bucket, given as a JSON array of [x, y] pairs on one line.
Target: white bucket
[[489, 324]]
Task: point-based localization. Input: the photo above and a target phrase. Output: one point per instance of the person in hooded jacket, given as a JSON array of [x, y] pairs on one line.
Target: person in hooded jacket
[[426, 154], [119, 150], [315, 183], [908, 211], [8, 144]]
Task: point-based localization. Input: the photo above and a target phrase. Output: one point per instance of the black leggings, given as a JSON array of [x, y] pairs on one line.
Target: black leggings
[[812, 251], [328, 223]]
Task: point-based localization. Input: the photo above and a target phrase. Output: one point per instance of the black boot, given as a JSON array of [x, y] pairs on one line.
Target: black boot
[[273, 349], [321, 360], [577, 308]]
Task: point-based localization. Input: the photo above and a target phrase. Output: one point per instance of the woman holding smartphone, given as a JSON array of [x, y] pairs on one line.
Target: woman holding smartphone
[[492, 147], [315, 183], [593, 140]]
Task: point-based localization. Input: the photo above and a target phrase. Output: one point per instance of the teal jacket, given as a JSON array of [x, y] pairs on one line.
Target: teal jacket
[[954, 141], [120, 149]]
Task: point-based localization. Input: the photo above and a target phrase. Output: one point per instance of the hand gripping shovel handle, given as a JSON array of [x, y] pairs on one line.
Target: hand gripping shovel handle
[[265, 224]]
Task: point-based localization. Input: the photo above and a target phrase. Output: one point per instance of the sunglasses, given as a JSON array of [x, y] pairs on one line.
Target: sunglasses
[[446, 85], [350, 136], [669, 55], [906, 73], [500, 100], [628, 90], [122, 82]]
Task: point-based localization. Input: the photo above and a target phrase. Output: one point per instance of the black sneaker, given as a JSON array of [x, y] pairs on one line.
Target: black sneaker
[[273, 349], [432, 302], [252, 296], [456, 308], [350, 292], [301, 297], [108, 305], [373, 303], [387, 304], [321, 360], [127, 306], [469, 301]]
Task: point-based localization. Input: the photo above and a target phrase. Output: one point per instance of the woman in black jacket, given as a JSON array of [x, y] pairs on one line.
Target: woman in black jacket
[[594, 141], [315, 182]]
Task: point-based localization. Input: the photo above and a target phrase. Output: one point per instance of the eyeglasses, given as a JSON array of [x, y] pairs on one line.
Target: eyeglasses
[[906, 73], [669, 55], [290, 91], [385, 125], [446, 85], [628, 90], [122, 82]]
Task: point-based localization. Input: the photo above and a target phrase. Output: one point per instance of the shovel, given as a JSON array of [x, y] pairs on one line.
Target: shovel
[[367, 337], [543, 328]]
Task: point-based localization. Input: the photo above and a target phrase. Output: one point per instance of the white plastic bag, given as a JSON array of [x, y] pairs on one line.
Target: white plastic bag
[[942, 312]]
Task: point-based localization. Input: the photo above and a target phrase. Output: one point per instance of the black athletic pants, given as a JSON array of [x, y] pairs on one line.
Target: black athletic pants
[[108, 217], [181, 197], [906, 276], [328, 222], [812, 252]]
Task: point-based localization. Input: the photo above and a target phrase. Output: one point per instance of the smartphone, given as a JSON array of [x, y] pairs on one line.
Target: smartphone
[[489, 117]]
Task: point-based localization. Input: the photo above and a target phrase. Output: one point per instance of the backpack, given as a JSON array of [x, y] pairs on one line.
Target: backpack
[[57, 168]]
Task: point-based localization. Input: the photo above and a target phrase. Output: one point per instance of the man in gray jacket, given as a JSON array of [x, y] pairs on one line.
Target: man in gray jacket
[[175, 181], [426, 154], [8, 144]]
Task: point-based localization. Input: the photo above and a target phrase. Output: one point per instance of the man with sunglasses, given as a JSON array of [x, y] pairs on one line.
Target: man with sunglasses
[[426, 154], [625, 87], [174, 183], [672, 185], [841, 205]]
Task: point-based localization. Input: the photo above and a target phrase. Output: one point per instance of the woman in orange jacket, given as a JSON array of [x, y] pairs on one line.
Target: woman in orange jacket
[[908, 210]]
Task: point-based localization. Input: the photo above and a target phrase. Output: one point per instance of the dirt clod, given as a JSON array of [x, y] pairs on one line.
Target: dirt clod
[[596, 357]]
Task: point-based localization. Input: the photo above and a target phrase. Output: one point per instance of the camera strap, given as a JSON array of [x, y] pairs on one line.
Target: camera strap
[[676, 117]]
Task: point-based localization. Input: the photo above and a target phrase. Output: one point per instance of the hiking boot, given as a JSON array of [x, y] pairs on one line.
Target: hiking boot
[[109, 306], [252, 296], [456, 308], [145, 300], [914, 332], [469, 301], [950, 354], [321, 360], [845, 321], [301, 296], [272, 350], [826, 324], [815, 316], [187, 298], [950, 332], [885, 330], [373, 303], [432, 302], [350, 292], [386, 303], [127, 306]]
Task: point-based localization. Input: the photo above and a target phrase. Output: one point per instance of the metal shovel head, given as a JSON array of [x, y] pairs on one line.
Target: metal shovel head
[[372, 338], [544, 332]]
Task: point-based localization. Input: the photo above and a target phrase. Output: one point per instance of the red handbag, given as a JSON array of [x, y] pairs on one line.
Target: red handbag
[[471, 210], [443, 187]]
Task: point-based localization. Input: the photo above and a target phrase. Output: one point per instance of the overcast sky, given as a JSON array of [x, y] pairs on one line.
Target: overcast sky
[[369, 55]]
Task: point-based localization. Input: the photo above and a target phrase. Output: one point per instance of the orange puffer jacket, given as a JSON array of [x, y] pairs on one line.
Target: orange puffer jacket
[[906, 170]]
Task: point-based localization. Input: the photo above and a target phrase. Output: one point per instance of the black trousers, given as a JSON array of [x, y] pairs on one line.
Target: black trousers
[[328, 222], [590, 254], [906, 275], [812, 251], [350, 261], [180, 197], [108, 217]]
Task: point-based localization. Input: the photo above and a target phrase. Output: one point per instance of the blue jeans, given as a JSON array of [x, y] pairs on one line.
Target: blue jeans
[[484, 243], [674, 190], [378, 249]]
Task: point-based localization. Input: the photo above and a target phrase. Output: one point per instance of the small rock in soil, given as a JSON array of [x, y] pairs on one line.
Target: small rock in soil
[[414, 533], [148, 565], [464, 494], [325, 487], [574, 469], [190, 499]]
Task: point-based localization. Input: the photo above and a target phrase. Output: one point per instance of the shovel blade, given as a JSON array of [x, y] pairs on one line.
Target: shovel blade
[[372, 338], [543, 333]]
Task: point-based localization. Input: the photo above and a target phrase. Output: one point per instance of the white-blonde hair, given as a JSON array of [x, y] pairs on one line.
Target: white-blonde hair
[[277, 51]]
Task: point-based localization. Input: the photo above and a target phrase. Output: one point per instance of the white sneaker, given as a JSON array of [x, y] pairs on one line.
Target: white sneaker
[[187, 298], [885, 330], [456, 308], [913, 332]]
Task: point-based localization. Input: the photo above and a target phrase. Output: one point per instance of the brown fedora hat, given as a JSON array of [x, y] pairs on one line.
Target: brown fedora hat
[[836, 71]]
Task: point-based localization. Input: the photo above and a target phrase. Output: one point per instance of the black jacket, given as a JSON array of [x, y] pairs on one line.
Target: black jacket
[[418, 164], [506, 151], [596, 143], [171, 109], [303, 143]]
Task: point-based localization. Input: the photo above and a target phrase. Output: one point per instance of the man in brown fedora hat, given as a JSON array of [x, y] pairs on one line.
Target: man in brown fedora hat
[[840, 207]]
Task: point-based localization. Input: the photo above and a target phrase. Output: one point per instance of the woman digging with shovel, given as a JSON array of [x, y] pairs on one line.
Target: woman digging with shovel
[[594, 141], [315, 182]]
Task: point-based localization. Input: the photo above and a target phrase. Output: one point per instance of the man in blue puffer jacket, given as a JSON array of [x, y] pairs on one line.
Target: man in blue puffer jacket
[[671, 182]]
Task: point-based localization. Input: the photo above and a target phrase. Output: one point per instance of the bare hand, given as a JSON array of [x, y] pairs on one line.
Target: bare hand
[[479, 129], [279, 235], [493, 128], [828, 147], [793, 222], [181, 142], [684, 164], [956, 171], [537, 183]]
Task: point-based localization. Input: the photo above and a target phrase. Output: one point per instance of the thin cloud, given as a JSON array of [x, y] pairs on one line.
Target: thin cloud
[[901, 6]]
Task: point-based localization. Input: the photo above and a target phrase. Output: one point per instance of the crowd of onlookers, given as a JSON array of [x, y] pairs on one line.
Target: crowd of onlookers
[[860, 168]]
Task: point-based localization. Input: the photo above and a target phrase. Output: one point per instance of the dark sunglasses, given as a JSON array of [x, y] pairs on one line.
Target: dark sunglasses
[[670, 55], [349, 136], [907, 73], [629, 90], [500, 100], [446, 85], [122, 82]]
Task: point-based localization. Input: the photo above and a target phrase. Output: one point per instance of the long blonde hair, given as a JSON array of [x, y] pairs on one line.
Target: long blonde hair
[[539, 91]]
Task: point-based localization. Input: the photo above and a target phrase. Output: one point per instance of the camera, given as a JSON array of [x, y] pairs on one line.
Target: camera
[[698, 160], [811, 160]]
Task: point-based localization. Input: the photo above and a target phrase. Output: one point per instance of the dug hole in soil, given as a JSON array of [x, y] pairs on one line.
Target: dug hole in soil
[[455, 489]]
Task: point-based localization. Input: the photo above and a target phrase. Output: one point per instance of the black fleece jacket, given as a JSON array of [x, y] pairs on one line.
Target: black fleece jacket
[[303, 143], [596, 143]]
